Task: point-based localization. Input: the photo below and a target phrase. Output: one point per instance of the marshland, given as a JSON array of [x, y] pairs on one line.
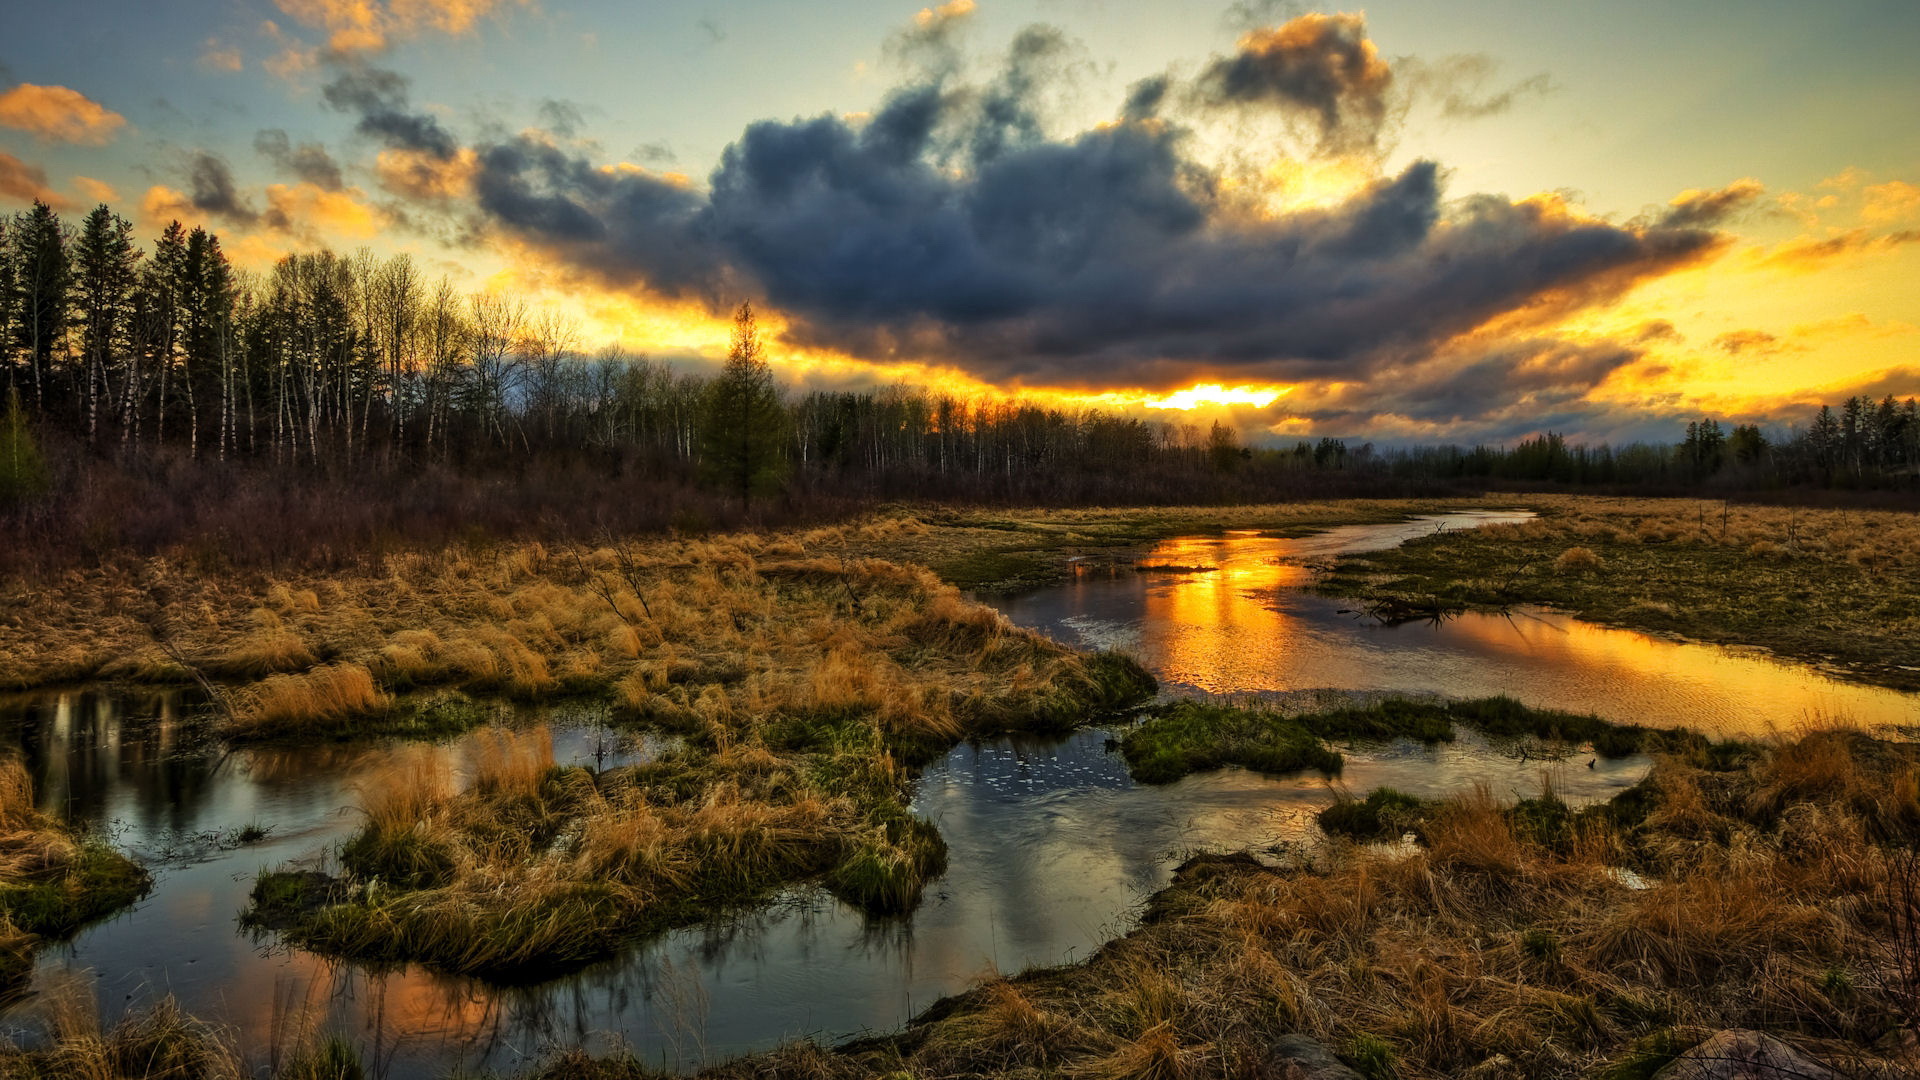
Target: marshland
[[598, 541], [726, 802]]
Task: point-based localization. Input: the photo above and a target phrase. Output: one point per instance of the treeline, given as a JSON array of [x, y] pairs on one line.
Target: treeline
[[157, 395], [1862, 445]]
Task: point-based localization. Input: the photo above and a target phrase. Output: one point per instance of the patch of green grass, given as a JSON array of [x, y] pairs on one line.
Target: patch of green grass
[[1000, 570], [96, 882], [886, 873], [1194, 736], [1540, 944], [1372, 1057], [1544, 820], [1647, 1056], [1384, 814], [405, 858]]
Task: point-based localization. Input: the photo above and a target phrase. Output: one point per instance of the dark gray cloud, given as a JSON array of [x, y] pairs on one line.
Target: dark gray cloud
[[1104, 257], [211, 190], [951, 225], [563, 118], [1508, 388], [381, 99], [308, 161], [1460, 85], [1321, 65]]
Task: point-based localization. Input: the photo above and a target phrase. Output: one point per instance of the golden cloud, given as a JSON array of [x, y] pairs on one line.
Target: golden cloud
[[369, 25], [162, 204], [309, 210], [1807, 254], [26, 183], [58, 114], [948, 12], [98, 191], [419, 175], [1891, 202]]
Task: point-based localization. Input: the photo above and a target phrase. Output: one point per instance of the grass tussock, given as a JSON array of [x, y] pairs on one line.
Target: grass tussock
[[160, 1042], [1500, 945], [1833, 586], [319, 701], [53, 881], [1186, 736]]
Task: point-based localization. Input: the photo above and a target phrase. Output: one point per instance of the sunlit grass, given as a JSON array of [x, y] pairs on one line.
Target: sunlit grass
[[1839, 586]]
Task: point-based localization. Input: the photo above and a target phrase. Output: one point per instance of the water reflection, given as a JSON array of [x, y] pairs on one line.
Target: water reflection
[[1052, 848], [1247, 627]]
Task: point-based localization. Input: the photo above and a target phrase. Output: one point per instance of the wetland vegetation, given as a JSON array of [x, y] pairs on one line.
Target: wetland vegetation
[[804, 676], [1832, 586]]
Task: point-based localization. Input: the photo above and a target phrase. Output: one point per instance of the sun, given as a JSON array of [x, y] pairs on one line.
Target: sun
[[1194, 397]]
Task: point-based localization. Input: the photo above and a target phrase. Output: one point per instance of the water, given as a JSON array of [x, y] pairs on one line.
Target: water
[[1247, 627], [1052, 848]]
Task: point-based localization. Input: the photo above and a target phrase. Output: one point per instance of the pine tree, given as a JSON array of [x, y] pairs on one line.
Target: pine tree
[[743, 428], [105, 273], [43, 275]]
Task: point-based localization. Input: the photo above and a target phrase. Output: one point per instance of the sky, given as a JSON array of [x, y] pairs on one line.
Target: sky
[[1408, 222]]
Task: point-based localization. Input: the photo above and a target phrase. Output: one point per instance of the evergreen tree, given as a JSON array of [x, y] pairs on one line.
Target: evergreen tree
[[43, 275], [1223, 447], [105, 274], [743, 424]]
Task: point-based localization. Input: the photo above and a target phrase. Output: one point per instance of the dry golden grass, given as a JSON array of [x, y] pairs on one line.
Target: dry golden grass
[[805, 690], [330, 693], [1492, 939], [528, 620], [1831, 586]]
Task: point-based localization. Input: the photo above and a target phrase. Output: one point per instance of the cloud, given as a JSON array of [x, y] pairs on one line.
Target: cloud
[[314, 213], [218, 56], [1738, 342], [96, 190], [1105, 256], [308, 161], [211, 191], [26, 183], [1698, 208], [1657, 330], [356, 26], [425, 177], [58, 114], [951, 228], [381, 100], [1460, 84], [1893, 201], [1498, 389], [1322, 65], [1806, 254]]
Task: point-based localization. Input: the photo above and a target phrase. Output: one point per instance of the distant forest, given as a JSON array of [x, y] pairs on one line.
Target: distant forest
[[341, 403]]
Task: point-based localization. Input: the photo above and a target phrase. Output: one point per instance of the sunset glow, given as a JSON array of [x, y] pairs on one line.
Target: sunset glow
[[1214, 394], [1335, 223]]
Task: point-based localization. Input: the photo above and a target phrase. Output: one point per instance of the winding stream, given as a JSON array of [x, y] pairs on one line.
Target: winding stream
[[1052, 846]]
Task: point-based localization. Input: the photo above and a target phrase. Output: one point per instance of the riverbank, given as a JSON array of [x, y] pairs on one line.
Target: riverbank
[[1526, 939], [526, 620], [1840, 588], [53, 880], [1769, 889]]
